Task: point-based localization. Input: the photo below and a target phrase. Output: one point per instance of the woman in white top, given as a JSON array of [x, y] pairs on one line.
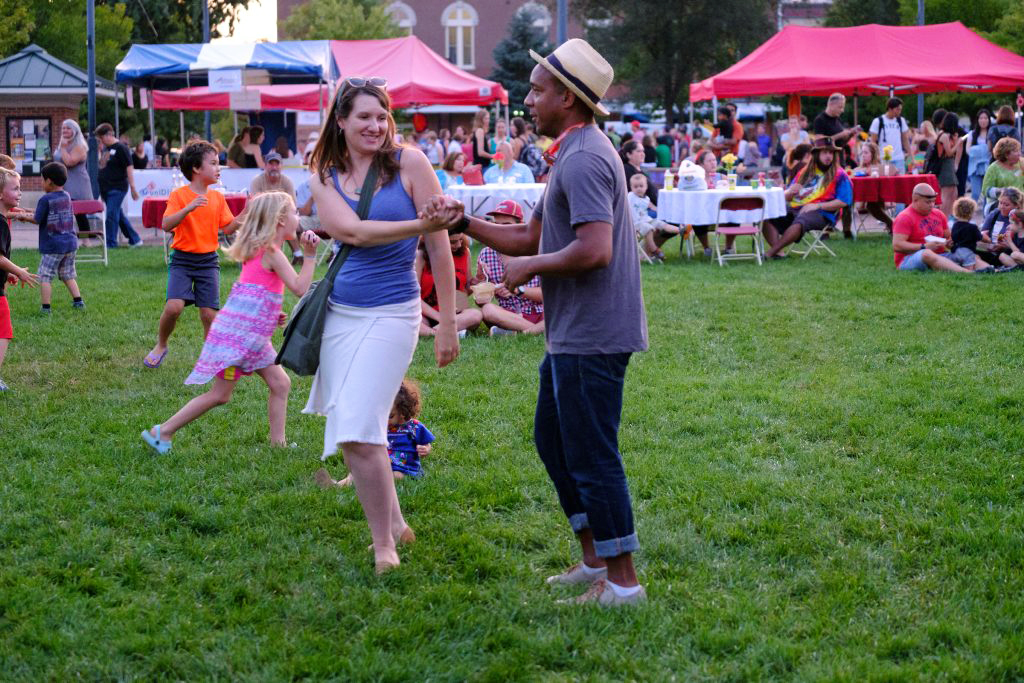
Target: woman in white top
[[794, 135]]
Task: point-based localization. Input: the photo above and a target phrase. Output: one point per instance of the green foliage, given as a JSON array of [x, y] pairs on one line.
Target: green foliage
[[512, 61], [50, 23], [859, 12], [1009, 30], [340, 20], [821, 494], [655, 49], [180, 21], [980, 15]]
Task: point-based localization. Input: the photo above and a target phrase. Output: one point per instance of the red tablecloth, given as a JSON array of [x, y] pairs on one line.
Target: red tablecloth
[[153, 209], [891, 188]]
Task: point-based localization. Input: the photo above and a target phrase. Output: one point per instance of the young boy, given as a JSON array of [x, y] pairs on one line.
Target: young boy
[[654, 231], [194, 214], [57, 240], [10, 273], [966, 236]]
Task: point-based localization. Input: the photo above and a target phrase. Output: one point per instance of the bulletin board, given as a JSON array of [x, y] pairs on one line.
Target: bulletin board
[[28, 143]]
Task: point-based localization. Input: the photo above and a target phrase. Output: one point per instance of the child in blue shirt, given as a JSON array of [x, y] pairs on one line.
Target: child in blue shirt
[[58, 240], [408, 438]]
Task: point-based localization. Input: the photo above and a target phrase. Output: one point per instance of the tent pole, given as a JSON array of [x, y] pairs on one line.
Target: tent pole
[[152, 119], [117, 112], [856, 101], [234, 120], [181, 124], [320, 100]]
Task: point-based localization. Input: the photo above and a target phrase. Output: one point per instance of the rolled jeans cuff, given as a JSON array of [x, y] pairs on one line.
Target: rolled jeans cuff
[[579, 522], [614, 547]]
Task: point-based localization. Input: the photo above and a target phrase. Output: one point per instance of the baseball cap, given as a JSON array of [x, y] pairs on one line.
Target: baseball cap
[[271, 156], [508, 207]]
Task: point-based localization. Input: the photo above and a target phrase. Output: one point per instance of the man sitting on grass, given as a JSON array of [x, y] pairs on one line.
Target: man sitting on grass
[[920, 236]]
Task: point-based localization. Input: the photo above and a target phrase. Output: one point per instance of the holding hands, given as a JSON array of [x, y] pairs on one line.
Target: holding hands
[[441, 212]]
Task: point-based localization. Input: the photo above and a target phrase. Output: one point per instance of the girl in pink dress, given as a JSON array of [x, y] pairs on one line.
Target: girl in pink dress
[[239, 340]]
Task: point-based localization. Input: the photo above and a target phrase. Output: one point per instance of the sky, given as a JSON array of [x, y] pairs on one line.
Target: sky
[[257, 22]]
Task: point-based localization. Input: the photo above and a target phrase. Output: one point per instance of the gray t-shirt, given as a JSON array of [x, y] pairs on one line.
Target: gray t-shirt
[[601, 311]]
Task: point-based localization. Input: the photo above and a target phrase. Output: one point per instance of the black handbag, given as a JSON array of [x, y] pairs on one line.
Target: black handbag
[[300, 349]]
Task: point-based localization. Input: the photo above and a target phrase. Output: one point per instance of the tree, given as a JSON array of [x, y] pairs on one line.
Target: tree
[[859, 12], [340, 20], [512, 60], [180, 21], [659, 49], [48, 23]]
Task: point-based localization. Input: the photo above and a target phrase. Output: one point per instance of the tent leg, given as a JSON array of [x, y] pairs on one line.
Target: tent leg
[[152, 118], [234, 120], [117, 112], [856, 101], [181, 124]]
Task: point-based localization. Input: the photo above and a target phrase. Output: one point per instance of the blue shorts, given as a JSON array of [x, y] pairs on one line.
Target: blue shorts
[[915, 261], [194, 279]]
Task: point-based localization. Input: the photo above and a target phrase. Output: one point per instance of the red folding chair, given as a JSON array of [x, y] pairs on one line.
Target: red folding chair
[[93, 210], [753, 230]]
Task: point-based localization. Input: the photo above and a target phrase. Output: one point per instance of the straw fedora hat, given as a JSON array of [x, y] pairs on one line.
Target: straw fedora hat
[[824, 143], [582, 69]]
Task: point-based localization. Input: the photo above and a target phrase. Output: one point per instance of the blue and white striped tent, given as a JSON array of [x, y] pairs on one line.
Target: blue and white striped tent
[[172, 66]]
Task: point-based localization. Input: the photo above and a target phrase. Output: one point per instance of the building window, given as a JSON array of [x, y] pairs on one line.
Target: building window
[[459, 20], [403, 15], [541, 15]]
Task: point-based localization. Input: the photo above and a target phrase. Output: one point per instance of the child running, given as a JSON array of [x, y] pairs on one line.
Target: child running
[[408, 439], [194, 214], [10, 273], [58, 242], [239, 340]]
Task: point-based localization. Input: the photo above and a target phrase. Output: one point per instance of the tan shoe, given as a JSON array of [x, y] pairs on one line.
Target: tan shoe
[[575, 575], [602, 595]]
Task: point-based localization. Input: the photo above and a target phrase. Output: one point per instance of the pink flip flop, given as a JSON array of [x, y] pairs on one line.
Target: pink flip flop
[[151, 361]]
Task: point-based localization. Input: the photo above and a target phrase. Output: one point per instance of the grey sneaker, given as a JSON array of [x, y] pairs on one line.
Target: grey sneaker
[[602, 595], [575, 575], [44, 311], [707, 253], [78, 304], [3, 386], [501, 331]]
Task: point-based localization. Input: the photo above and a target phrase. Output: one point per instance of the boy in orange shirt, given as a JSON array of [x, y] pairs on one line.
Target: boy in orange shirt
[[194, 214]]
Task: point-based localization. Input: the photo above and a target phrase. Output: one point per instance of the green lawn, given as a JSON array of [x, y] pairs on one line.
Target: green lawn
[[825, 459]]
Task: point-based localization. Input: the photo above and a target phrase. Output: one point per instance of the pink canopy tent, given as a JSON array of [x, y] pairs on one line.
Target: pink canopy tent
[[865, 60], [303, 97], [416, 74]]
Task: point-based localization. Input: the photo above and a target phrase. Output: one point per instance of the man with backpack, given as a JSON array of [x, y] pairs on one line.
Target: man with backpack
[[891, 129]]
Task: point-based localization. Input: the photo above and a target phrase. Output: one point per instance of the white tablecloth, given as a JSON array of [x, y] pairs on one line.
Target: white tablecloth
[[479, 199], [700, 207]]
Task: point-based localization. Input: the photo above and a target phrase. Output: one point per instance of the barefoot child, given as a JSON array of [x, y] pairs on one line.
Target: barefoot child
[[58, 242], [10, 273], [239, 340], [408, 438], [194, 214]]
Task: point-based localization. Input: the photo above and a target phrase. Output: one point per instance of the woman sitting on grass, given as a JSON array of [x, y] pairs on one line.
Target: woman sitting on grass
[[466, 318]]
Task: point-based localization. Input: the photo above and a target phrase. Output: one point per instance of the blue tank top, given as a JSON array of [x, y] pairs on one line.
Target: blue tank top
[[383, 274]]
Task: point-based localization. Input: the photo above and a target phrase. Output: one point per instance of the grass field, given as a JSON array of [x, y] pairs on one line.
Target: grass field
[[825, 459]]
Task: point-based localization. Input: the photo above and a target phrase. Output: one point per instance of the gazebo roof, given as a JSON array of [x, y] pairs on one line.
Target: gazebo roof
[[34, 71]]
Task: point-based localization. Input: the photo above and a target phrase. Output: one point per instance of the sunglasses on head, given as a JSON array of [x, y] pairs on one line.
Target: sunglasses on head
[[359, 82]]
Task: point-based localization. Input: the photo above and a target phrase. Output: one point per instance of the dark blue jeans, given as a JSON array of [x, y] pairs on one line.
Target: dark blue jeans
[[116, 219], [576, 430]]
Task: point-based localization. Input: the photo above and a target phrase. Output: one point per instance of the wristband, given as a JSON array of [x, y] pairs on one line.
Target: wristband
[[461, 227]]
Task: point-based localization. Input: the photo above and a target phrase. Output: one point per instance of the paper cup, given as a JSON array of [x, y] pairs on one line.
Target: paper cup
[[483, 292]]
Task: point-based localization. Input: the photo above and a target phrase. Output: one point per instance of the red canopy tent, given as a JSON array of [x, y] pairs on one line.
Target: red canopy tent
[[416, 74], [303, 97], [864, 60]]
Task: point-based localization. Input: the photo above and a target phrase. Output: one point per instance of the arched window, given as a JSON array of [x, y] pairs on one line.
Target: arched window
[[541, 14], [459, 20], [403, 15]]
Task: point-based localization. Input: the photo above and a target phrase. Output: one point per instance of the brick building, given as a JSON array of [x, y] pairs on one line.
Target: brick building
[[464, 31], [37, 93]]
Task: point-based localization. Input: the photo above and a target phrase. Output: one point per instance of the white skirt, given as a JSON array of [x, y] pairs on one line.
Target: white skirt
[[364, 355]]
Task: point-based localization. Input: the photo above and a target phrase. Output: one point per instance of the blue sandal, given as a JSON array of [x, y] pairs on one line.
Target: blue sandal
[[158, 445]]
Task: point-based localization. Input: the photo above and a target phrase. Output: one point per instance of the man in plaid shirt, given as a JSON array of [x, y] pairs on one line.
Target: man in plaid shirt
[[519, 311]]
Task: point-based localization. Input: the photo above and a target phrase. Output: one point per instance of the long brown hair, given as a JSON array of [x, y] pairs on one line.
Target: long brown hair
[[331, 151], [829, 173]]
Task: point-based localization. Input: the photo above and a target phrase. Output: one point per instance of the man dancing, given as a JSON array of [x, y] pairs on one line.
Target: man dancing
[[580, 241]]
